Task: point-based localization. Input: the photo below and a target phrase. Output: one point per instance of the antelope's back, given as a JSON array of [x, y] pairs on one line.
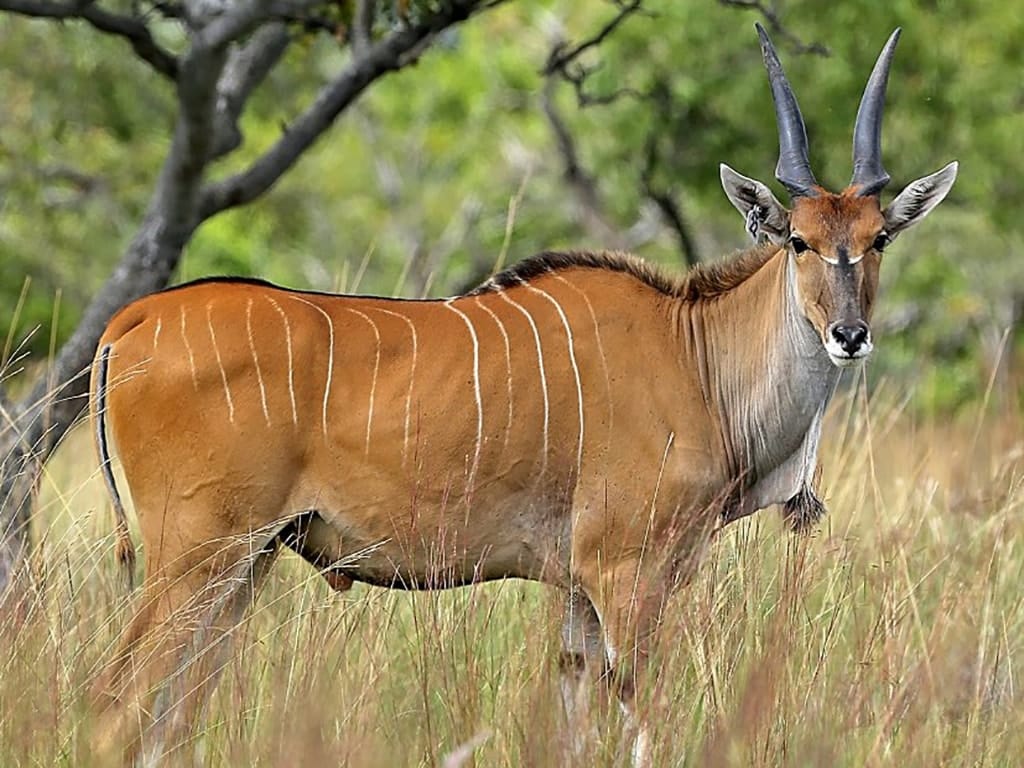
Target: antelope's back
[[313, 395]]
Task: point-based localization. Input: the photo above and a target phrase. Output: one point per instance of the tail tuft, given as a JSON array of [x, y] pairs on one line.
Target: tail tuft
[[124, 550]]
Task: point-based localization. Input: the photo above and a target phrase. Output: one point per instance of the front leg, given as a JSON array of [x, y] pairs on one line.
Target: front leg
[[629, 597], [627, 555]]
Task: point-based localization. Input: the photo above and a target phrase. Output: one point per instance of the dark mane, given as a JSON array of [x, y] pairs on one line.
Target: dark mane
[[704, 281]]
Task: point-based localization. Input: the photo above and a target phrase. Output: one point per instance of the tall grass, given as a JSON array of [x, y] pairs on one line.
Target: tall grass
[[892, 635]]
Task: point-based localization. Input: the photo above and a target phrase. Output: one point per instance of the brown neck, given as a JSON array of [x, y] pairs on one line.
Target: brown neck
[[764, 371]]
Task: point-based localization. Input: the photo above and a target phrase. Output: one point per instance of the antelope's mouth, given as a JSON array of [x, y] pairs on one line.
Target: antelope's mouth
[[843, 358], [848, 361]]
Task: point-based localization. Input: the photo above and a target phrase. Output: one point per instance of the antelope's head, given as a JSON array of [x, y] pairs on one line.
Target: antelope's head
[[834, 241]]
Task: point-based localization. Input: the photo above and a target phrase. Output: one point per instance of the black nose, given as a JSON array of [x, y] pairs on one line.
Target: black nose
[[850, 335]]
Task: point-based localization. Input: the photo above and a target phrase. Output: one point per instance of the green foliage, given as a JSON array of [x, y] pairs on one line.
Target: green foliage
[[410, 192], [954, 93]]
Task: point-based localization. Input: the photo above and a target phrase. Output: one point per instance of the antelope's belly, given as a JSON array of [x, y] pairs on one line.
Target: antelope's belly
[[456, 542]]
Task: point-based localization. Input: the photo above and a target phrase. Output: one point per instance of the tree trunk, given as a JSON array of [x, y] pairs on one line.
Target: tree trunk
[[214, 78]]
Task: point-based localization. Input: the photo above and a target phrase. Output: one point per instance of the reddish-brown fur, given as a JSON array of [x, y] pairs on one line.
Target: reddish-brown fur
[[207, 465], [581, 420]]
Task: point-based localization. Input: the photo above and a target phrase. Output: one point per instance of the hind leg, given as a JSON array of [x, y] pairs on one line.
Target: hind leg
[[167, 660]]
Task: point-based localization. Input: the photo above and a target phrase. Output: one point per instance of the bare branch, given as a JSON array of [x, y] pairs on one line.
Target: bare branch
[[665, 199], [672, 215], [133, 29], [573, 170], [362, 26], [565, 60], [395, 51], [579, 180], [226, 27], [775, 24], [247, 67], [577, 74], [223, 26], [562, 55]]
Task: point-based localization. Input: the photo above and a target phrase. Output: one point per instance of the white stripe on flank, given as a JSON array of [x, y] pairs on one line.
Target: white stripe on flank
[[256, 360], [330, 357], [376, 369], [508, 365], [291, 366], [412, 376], [156, 333], [188, 350], [600, 346], [220, 364], [540, 365], [476, 387], [572, 362]]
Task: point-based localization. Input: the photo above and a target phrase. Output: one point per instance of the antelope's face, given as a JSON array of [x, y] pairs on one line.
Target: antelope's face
[[836, 244], [835, 241]]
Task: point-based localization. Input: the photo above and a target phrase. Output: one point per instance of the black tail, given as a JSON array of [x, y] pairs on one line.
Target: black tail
[[125, 549]]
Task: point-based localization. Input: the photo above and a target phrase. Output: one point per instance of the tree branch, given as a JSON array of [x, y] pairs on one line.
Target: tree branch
[[564, 60], [563, 64], [775, 24], [395, 51], [665, 201], [562, 55], [132, 29], [579, 180], [362, 26], [224, 27], [672, 215], [247, 67]]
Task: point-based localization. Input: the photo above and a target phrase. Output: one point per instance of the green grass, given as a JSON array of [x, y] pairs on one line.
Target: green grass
[[890, 636]]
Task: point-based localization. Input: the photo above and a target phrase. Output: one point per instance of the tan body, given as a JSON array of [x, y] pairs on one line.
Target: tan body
[[579, 420], [457, 458], [429, 476]]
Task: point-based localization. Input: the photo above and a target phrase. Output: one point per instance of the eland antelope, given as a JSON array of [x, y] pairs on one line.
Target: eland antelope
[[579, 419]]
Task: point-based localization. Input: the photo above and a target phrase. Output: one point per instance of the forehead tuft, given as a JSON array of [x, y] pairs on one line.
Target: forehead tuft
[[841, 218]]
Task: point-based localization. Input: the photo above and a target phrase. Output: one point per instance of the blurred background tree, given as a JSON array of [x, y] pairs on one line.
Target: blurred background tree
[[411, 195], [513, 135]]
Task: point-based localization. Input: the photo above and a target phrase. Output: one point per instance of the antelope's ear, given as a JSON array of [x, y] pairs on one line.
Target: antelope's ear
[[917, 200], [765, 217]]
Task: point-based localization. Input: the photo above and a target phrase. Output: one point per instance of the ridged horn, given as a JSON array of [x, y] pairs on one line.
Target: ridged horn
[[868, 174], [794, 167]]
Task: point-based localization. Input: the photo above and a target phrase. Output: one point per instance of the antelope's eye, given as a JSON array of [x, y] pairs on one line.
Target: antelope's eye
[[880, 242], [797, 244]]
